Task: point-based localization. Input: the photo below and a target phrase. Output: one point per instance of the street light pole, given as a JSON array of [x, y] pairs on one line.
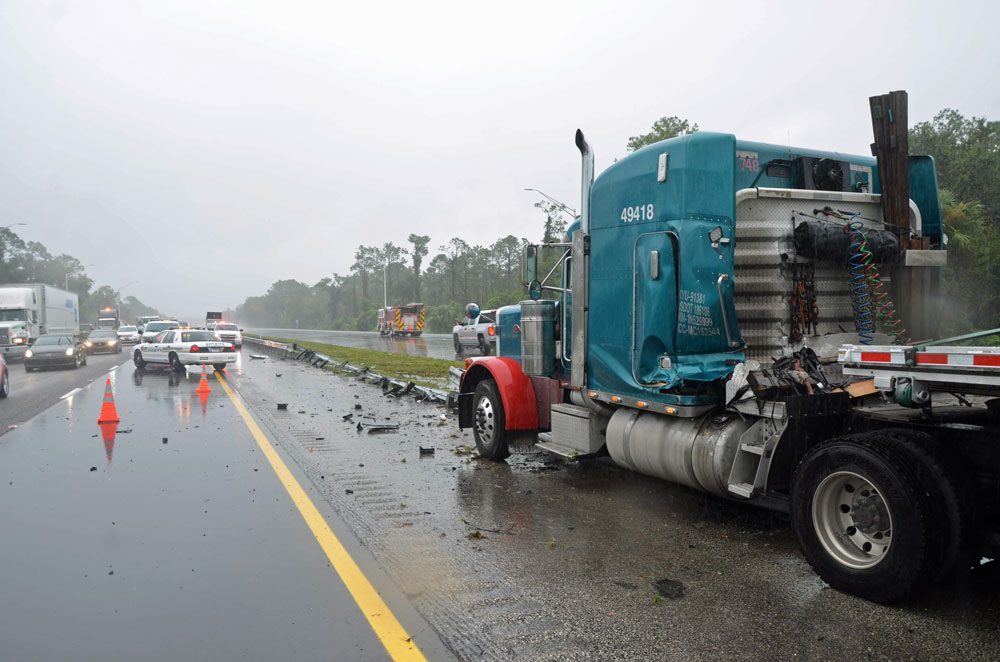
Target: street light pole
[[557, 203], [385, 287]]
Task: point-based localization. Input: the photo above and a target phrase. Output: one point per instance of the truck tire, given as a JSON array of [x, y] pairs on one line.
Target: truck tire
[[137, 360], [458, 346], [874, 515], [488, 422]]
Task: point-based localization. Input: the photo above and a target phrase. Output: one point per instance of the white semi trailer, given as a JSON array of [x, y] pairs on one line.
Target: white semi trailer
[[28, 310]]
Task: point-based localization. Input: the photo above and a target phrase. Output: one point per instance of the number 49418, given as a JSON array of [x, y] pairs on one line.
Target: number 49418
[[637, 213]]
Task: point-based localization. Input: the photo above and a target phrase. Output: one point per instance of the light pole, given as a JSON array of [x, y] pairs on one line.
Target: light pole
[[557, 203], [385, 287]]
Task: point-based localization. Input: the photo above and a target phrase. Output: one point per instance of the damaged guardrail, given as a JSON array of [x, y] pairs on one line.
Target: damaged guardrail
[[390, 386]]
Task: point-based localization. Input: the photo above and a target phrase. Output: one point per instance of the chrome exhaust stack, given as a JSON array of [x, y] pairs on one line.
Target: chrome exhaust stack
[[587, 178]]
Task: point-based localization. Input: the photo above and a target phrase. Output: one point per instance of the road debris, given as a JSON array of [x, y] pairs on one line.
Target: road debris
[[258, 356], [282, 406], [93, 468], [669, 588], [506, 532], [426, 451], [348, 417]]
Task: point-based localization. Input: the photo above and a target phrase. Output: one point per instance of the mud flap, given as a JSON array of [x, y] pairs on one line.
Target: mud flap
[[465, 405]]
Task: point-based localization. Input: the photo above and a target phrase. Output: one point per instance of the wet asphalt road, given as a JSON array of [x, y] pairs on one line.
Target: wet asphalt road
[[434, 345], [536, 559], [33, 392], [171, 540]]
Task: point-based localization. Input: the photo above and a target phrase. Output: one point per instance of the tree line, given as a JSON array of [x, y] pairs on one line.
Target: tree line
[[31, 262], [966, 150]]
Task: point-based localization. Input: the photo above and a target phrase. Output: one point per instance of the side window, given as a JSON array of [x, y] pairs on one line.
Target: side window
[[168, 337]]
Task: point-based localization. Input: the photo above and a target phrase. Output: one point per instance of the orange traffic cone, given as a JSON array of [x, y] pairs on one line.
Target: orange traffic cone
[[203, 399], [108, 412], [108, 431], [203, 386]]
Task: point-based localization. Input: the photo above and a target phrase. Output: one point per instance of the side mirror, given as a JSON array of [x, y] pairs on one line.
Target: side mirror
[[535, 290], [530, 264], [241, 329]]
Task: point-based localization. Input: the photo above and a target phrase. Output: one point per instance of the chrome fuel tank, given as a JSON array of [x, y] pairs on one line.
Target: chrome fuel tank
[[696, 452]]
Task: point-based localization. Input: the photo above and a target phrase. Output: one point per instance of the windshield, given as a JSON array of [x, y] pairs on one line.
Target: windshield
[[160, 326], [226, 327], [52, 340], [191, 336], [127, 329], [102, 334], [11, 315]]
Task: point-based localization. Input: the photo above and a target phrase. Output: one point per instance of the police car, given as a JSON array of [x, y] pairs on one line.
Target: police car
[[178, 348]]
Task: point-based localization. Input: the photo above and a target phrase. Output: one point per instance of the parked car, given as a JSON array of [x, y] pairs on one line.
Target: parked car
[[54, 350], [229, 332], [477, 330], [102, 340], [178, 348], [152, 329], [129, 335], [4, 377]]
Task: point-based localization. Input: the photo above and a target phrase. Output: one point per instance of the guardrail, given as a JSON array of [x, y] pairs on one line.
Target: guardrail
[[392, 387]]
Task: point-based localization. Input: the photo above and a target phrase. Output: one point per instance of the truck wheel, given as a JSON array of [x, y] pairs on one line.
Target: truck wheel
[[175, 363], [871, 520], [5, 384], [458, 345], [488, 422], [484, 346], [137, 360]]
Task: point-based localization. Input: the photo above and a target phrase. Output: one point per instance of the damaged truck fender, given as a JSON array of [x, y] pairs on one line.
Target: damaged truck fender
[[517, 395]]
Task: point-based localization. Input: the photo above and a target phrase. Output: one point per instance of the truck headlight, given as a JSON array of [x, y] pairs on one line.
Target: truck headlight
[[18, 341], [69, 352], [28, 354]]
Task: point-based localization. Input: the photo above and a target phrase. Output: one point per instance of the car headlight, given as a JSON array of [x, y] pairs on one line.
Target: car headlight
[[69, 352], [28, 354], [88, 344], [112, 342]]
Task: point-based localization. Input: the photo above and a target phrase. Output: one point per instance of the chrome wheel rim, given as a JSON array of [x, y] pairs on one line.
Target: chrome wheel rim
[[852, 520], [485, 423]]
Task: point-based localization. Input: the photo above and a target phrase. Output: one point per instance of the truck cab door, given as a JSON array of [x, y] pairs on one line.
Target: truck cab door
[[654, 307]]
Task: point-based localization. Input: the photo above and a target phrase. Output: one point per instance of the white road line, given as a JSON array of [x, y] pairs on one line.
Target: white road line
[[70, 394]]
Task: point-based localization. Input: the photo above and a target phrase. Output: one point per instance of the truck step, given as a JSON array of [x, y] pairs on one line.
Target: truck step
[[744, 490], [550, 446]]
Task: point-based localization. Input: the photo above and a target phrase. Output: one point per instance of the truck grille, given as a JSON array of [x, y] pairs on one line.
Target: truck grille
[[4, 337]]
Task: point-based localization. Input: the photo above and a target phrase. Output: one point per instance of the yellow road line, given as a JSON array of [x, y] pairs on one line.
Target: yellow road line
[[390, 632]]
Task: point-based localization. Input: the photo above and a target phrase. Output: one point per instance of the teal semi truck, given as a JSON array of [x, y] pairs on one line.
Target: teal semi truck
[[727, 315]]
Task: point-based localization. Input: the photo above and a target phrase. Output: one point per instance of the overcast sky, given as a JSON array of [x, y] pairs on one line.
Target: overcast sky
[[209, 148]]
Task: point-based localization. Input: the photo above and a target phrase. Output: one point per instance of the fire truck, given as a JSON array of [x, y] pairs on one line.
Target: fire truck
[[402, 320], [728, 315]]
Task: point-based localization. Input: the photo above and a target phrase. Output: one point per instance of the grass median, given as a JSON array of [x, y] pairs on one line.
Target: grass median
[[422, 370]]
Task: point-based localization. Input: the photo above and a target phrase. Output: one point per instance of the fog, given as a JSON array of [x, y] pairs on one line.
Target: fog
[[208, 149]]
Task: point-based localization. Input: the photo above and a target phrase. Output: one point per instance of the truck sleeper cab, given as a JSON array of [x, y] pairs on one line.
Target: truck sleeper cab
[[682, 272]]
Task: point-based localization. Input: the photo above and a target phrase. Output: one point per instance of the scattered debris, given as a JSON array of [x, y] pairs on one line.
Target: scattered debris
[[379, 427], [357, 406], [426, 451], [348, 491], [282, 406], [302, 411], [277, 374], [11, 427], [506, 532], [669, 588], [475, 535], [320, 438], [257, 356], [164, 440], [462, 450], [348, 417], [93, 468]]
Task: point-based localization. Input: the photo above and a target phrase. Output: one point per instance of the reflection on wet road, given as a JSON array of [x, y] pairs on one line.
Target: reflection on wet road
[[434, 345], [164, 537], [527, 558]]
